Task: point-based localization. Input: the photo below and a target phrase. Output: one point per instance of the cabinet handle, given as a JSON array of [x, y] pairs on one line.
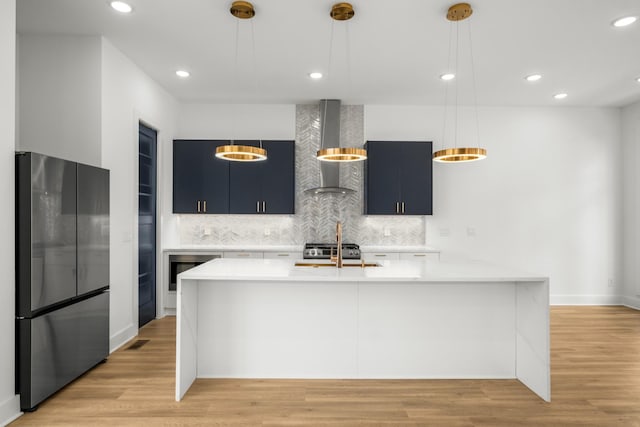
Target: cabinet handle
[[205, 206], [198, 206], [264, 207], [258, 206], [381, 255], [419, 254], [242, 255], [283, 254], [402, 207], [397, 207]]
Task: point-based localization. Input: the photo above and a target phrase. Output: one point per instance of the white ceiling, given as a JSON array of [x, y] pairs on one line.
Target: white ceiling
[[398, 49]]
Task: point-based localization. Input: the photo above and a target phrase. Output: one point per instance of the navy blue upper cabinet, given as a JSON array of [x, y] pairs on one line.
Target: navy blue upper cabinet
[[267, 186], [200, 180], [398, 178]]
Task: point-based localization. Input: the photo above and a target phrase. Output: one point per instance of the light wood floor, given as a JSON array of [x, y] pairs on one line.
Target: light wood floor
[[595, 353]]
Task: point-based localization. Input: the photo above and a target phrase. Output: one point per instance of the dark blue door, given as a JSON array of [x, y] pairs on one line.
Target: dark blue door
[[245, 184], [416, 178], [382, 186], [146, 225], [278, 179], [267, 186], [200, 180]]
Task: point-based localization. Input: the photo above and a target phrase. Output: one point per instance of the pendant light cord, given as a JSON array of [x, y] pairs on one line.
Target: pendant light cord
[[446, 87], [324, 114], [235, 83], [457, 87], [348, 50], [475, 91]]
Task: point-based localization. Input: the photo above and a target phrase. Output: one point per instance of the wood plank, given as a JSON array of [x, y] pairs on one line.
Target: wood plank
[[595, 353]]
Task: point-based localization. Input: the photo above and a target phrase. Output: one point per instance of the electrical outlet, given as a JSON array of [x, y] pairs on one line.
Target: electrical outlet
[[387, 232], [471, 232], [206, 231], [611, 283], [267, 232]]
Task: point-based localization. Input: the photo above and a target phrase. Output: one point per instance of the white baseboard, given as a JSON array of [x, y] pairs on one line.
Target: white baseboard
[[631, 302], [10, 410], [121, 337], [585, 300]]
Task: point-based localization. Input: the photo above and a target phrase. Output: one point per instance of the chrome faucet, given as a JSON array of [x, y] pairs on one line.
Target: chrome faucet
[[338, 258]]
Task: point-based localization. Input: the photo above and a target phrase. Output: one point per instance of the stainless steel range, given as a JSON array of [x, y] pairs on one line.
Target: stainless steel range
[[325, 250]]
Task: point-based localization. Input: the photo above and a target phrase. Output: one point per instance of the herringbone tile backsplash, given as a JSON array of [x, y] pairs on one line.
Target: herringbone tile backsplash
[[316, 215]]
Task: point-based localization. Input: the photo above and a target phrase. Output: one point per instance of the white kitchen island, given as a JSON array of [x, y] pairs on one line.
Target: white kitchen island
[[258, 318]]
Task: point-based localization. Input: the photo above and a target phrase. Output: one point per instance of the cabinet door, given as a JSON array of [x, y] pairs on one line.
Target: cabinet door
[[198, 176], [416, 178], [382, 176], [267, 186], [278, 178], [243, 254], [420, 256], [380, 256], [282, 255], [245, 184], [215, 187]]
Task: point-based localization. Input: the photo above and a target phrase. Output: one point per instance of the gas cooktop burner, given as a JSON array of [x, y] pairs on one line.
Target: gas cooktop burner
[[324, 250]]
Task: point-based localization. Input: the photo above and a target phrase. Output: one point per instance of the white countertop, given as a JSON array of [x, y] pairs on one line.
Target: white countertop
[[291, 248], [240, 248], [401, 271]]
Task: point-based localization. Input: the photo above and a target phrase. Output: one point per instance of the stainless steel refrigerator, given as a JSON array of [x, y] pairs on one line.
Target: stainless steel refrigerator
[[62, 273]]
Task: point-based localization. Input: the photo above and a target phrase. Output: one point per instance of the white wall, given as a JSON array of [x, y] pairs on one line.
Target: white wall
[[211, 121], [9, 404], [130, 96], [59, 96], [547, 199], [631, 184]]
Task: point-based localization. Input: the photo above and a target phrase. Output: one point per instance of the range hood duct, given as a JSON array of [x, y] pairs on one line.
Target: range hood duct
[[330, 138]]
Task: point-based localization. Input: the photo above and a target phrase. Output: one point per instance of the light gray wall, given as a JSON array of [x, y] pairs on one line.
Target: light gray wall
[[59, 96], [631, 187], [9, 405], [128, 97]]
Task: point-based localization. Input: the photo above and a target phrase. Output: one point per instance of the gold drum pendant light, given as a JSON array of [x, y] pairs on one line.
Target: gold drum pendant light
[[241, 153], [459, 12], [347, 154], [232, 152], [341, 12]]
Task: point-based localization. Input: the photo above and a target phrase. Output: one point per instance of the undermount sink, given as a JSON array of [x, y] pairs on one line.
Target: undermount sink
[[344, 264]]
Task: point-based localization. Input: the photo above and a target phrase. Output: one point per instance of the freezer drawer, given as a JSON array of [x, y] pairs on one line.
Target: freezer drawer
[[55, 348]]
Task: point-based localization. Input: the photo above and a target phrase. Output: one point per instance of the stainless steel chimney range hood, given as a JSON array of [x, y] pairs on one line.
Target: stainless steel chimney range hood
[[329, 138]]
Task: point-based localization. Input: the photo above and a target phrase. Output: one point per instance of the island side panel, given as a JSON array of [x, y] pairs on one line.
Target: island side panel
[[186, 335], [273, 329], [437, 330], [532, 328]]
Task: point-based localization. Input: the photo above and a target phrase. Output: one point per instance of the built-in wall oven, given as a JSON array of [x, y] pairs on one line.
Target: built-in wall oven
[[180, 263]]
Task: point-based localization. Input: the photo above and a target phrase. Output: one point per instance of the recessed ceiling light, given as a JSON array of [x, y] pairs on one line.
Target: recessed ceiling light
[[182, 73], [560, 95], [624, 21], [448, 76], [533, 77], [315, 75], [638, 79], [121, 6]]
